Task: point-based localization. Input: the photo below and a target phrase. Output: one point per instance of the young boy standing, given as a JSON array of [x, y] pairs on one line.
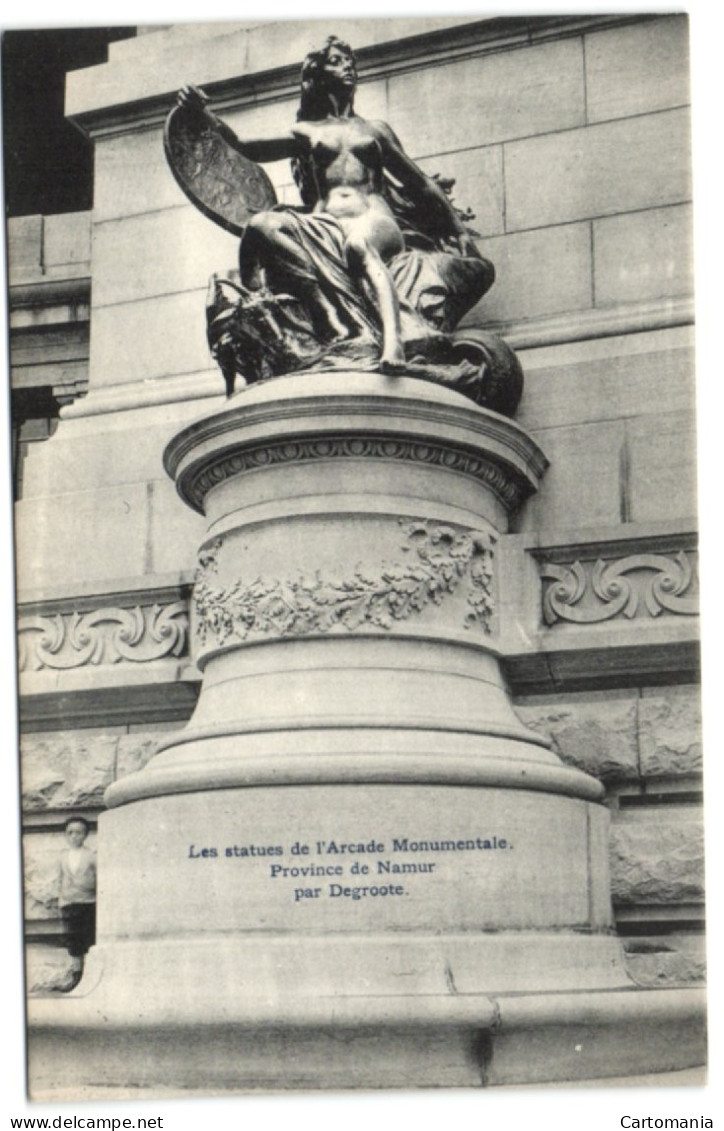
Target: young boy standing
[[77, 893]]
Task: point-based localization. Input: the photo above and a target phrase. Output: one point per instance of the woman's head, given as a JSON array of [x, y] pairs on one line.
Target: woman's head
[[330, 71]]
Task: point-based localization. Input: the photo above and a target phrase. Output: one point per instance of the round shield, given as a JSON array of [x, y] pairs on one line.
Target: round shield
[[226, 186]]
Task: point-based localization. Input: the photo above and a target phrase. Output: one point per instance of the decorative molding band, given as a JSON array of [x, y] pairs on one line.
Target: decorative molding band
[[598, 322], [439, 559], [136, 635], [67, 291], [147, 394], [423, 767], [506, 489], [279, 82], [603, 590]]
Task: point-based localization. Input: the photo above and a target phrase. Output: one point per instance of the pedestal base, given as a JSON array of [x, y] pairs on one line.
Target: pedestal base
[[356, 867], [482, 954], [428, 1041]]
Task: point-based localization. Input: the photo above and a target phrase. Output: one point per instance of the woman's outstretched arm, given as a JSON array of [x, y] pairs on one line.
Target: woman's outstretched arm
[[423, 190], [256, 149]]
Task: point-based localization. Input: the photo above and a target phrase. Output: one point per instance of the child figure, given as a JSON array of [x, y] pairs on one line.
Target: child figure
[[77, 894]]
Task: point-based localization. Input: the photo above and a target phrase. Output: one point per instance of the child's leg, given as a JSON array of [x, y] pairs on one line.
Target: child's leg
[[72, 916]]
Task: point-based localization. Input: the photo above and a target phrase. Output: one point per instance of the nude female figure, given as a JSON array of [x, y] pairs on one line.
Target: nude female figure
[[340, 160]]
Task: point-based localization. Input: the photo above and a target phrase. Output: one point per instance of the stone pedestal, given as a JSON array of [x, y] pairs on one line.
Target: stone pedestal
[[356, 866]]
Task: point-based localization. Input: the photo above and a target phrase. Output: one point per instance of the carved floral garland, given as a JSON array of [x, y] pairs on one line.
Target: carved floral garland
[[317, 603]]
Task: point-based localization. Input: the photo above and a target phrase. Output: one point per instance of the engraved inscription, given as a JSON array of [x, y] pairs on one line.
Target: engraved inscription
[[352, 871]]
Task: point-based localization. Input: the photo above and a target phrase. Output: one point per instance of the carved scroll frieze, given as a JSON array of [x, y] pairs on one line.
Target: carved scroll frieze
[[438, 559], [637, 585], [134, 635], [356, 447]]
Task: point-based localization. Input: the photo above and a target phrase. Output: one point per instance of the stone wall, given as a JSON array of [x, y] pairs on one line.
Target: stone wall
[[568, 137], [44, 248], [645, 744], [49, 301]]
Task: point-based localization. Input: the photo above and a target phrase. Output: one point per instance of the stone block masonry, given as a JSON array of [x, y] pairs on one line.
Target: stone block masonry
[[646, 745], [600, 170], [638, 69]]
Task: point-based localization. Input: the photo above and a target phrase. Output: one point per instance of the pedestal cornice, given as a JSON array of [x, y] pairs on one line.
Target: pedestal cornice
[[314, 416]]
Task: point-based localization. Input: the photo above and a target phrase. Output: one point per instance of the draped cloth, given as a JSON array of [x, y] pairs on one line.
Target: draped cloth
[[434, 288], [266, 332], [318, 256]]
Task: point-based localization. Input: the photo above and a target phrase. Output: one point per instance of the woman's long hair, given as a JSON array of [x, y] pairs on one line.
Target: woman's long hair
[[313, 106]]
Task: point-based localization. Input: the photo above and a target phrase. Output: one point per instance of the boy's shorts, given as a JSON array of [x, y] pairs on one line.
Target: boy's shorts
[[79, 922]]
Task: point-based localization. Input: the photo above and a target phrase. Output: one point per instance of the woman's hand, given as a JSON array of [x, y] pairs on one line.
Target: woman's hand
[[192, 98], [467, 245], [257, 149], [461, 243]]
